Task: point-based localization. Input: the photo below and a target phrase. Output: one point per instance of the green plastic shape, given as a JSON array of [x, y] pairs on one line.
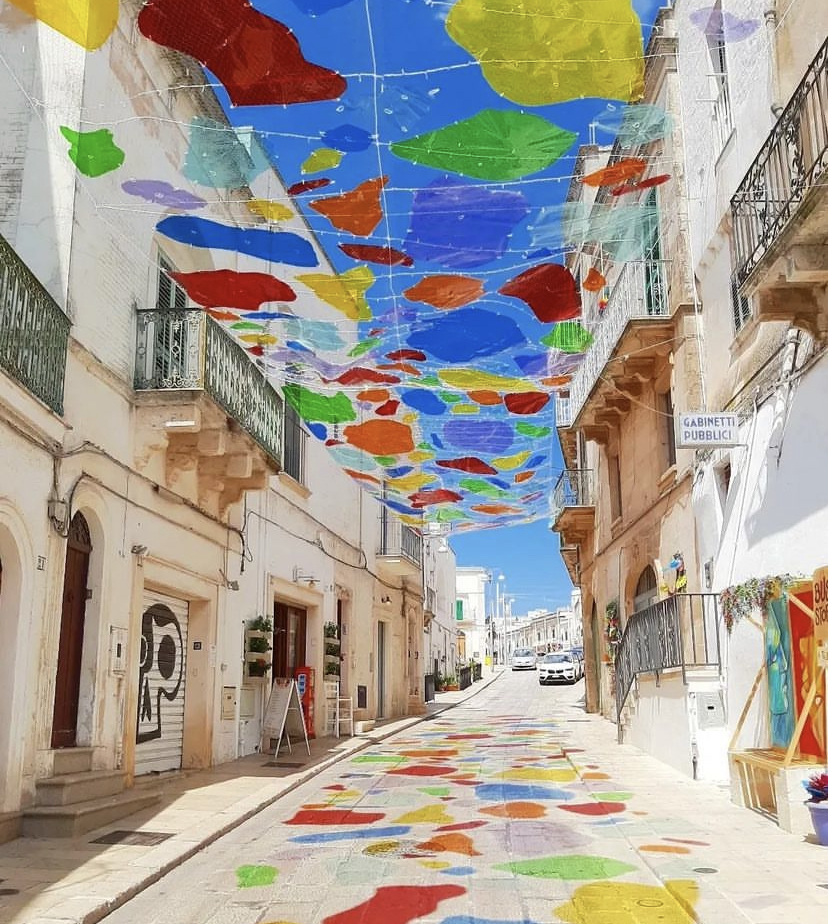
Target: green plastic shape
[[492, 145], [527, 429], [93, 153], [316, 408], [569, 337]]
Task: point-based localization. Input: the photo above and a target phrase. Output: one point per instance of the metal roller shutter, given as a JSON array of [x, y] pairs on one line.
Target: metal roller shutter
[[161, 684]]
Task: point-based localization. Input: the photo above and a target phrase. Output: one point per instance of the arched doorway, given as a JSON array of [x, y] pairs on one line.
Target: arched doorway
[[646, 590], [597, 644], [70, 647]]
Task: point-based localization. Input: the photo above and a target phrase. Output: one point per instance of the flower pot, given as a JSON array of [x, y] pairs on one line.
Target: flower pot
[[819, 819]]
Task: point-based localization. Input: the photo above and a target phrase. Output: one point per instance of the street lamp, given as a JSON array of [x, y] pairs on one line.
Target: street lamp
[[500, 588]]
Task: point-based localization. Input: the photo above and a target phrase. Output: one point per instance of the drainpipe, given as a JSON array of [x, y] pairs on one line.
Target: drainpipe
[[771, 24]]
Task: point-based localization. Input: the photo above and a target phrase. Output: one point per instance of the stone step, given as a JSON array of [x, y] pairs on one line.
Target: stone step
[[72, 760], [69, 788], [47, 821], [9, 826]]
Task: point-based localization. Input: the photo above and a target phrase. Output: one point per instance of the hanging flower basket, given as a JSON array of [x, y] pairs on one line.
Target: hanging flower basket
[[741, 600]]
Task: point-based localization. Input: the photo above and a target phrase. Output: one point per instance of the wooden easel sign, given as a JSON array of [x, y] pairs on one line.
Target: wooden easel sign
[[284, 699]]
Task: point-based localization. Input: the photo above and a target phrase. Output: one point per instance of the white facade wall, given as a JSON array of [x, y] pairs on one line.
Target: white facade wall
[[442, 649], [473, 590], [97, 258]]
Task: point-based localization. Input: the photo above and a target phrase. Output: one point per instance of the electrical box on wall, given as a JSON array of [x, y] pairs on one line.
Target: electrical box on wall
[[709, 711], [117, 650], [228, 703]]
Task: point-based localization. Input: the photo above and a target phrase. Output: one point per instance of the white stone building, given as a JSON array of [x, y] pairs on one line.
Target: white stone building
[[154, 496], [475, 609], [744, 324]]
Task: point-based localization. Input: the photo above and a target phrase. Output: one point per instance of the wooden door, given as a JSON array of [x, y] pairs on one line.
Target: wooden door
[[70, 648], [289, 639]]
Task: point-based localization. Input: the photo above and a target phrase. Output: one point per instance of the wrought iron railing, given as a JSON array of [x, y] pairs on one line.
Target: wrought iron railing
[[563, 410], [680, 632], [187, 350], [572, 489], [639, 293], [464, 678], [429, 687], [34, 332], [397, 540], [792, 160]]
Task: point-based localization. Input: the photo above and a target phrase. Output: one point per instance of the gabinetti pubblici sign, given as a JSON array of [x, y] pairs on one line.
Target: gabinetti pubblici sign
[[698, 430]]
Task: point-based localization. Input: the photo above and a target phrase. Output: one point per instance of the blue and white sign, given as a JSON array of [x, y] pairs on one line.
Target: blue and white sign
[[701, 430]]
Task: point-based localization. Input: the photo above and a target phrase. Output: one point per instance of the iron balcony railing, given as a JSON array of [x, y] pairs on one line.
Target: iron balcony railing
[[34, 332], [679, 632], [398, 540], [187, 350], [792, 160], [572, 489], [639, 293], [464, 677]]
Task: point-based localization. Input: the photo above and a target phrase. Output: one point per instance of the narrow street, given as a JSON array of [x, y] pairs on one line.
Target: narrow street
[[515, 806]]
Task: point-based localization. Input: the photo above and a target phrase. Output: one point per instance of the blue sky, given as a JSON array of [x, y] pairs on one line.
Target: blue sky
[[405, 76]]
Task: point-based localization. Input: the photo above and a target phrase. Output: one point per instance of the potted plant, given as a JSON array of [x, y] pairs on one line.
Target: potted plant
[[260, 624], [331, 630], [258, 668], [817, 788], [331, 669], [258, 643], [450, 683]]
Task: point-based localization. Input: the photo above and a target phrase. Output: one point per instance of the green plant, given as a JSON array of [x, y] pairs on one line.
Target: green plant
[[258, 644], [331, 630], [332, 669], [740, 600], [331, 649], [449, 681], [260, 624], [612, 628], [258, 668]]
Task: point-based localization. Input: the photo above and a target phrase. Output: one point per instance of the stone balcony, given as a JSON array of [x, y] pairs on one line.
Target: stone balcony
[[780, 213], [572, 514], [209, 425], [400, 548], [34, 332], [633, 338]]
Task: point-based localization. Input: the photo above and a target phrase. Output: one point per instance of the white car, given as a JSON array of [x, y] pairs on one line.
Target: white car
[[524, 659], [559, 665]]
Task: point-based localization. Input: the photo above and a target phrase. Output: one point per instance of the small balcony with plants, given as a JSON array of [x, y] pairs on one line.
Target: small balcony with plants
[[209, 425]]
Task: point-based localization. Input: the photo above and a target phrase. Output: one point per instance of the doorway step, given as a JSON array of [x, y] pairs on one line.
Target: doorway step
[[77, 799]]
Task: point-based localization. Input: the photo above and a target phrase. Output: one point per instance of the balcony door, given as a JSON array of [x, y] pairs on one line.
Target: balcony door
[[653, 279], [70, 646]]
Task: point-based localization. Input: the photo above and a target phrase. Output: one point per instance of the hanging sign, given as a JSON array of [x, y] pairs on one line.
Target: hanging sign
[[821, 605], [719, 429]]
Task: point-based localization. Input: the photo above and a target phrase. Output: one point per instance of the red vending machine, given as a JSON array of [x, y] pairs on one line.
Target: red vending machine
[[304, 677]]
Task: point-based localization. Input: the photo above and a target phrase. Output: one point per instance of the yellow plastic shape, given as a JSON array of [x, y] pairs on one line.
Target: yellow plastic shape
[[270, 211], [509, 463], [465, 409], [88, 23], [345, 292], [537, 52], [322, 159], [475, 379], [408, 484]]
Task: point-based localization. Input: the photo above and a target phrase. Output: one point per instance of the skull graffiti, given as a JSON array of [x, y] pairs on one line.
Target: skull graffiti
[[162, 668]]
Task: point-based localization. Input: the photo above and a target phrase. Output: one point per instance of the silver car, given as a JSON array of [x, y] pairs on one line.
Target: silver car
[[559, 665], [524, 659]]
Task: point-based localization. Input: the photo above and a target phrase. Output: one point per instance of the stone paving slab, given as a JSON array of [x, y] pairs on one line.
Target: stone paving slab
[[671, 831], [58, 880]]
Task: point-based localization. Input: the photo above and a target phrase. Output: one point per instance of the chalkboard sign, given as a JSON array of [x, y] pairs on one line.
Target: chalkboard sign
[[284, 699]]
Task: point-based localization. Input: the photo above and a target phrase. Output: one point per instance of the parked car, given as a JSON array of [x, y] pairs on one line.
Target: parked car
[[524, 659], [560, 665]]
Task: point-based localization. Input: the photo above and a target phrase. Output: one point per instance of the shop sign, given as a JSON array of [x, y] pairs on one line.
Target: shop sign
[[821, 605], [697, 430]]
